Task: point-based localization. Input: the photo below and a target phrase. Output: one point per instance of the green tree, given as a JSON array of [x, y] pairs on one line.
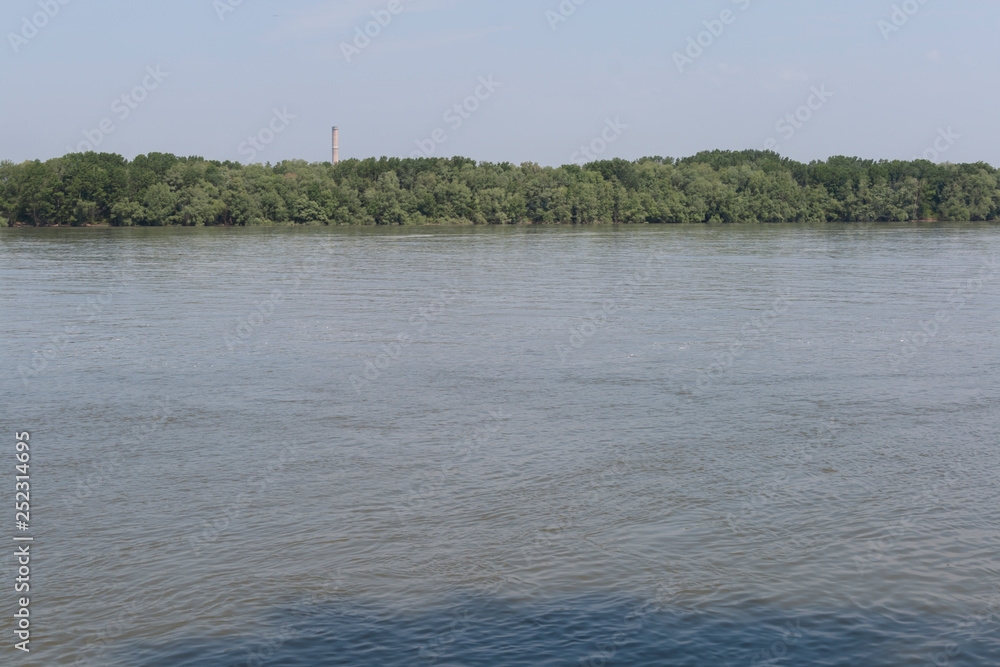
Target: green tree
[[34, 187], [84, 213], [127, 213], [160, 203], [200, 206]]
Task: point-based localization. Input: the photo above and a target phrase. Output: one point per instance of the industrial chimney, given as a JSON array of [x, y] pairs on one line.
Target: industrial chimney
[[336, 145]]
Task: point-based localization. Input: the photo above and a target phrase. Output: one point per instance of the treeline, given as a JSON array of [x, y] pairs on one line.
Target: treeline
[[712, 187]]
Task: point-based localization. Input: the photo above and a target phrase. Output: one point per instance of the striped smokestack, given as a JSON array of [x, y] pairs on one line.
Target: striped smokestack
[[336, 145]]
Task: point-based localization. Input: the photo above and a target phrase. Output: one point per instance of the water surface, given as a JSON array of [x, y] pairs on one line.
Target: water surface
[[535, 446]]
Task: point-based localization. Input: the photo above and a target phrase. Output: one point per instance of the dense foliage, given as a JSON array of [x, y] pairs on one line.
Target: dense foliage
[[719, 186]]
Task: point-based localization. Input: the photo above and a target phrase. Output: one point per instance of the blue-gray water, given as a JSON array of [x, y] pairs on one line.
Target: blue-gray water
[[536, 446]]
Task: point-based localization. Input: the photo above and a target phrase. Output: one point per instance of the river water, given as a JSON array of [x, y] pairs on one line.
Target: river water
[[726, 445]]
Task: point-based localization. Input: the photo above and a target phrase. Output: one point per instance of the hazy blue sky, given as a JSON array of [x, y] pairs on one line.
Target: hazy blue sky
[[893, 93]]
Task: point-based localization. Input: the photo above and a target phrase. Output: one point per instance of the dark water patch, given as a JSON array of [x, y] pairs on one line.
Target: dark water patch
[[597, 631]]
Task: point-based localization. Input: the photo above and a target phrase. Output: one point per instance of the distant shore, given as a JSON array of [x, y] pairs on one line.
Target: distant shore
[[99, 190], [470, 224]]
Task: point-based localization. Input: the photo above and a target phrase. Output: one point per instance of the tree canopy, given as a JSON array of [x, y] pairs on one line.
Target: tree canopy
[[717, 186]]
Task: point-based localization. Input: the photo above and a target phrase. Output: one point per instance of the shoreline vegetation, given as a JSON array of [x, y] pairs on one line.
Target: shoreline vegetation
[[104, 189]]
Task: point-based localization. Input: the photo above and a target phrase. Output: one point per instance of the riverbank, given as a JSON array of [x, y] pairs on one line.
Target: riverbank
[[98, 189]]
